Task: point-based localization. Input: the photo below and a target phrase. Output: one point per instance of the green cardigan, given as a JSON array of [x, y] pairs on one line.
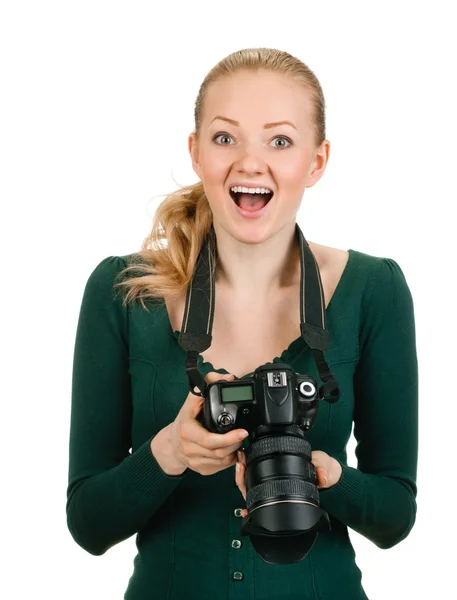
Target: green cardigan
[[129, 381]]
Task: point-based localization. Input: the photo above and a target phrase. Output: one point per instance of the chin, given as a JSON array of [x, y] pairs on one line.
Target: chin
[[248, 232]]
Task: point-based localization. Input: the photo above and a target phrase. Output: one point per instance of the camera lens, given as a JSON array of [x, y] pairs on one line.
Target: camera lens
[[281, 496], [279, 468]]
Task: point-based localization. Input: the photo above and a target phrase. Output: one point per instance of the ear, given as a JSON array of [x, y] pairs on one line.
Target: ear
[[318, 164], [193, 151]]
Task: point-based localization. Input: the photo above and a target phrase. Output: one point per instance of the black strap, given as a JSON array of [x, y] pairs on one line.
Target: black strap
[[195, 335]]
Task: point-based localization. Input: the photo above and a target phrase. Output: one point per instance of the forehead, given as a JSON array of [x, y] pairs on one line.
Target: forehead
[[256, 98]]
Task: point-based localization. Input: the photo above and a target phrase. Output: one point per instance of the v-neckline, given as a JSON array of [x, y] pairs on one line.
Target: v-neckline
[[290, 352]]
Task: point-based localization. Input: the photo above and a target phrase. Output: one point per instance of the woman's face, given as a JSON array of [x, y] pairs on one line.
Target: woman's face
[[283, 157]]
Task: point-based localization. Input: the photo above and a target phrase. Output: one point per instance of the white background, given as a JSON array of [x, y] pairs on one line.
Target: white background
[[96, 106]]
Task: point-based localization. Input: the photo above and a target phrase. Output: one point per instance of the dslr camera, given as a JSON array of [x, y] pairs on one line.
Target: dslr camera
[[276, 406]]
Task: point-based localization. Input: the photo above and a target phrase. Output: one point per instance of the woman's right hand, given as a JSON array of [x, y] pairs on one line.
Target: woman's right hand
[[196, 448]]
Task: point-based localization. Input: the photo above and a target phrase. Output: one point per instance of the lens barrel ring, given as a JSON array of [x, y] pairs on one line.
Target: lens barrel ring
[[284, 444], [279, 489]]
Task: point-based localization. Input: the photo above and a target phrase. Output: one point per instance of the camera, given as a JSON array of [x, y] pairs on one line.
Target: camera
[[276, 406]]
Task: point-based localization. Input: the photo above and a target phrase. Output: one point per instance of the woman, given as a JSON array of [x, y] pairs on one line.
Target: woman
[[259, 123]]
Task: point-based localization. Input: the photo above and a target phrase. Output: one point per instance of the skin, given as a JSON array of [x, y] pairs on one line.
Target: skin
[[259, 256]]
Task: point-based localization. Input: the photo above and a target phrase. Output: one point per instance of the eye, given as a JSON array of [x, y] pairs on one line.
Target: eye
[[283, 138], [226, 135]]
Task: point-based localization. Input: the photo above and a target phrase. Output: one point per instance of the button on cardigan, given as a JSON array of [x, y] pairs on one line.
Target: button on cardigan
[[129, 381]]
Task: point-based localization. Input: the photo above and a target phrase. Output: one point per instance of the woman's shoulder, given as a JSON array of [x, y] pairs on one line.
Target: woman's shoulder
[[336, 264], [374, 277], [108, 273], [113, 265], [331, 258], [334, 260]]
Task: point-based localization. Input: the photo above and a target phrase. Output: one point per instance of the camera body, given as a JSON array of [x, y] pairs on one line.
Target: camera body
[[274, 397]]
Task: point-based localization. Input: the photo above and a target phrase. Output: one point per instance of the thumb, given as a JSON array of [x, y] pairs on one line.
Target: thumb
[[212, 377], [192, 406]]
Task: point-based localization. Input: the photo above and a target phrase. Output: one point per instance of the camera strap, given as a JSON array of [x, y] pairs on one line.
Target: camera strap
[[196, 331]]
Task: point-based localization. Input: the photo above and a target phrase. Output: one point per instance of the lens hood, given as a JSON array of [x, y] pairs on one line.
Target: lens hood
[[284, 532]]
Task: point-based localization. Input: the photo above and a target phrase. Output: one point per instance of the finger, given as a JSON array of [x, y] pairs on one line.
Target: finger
[[195, 449], [240, 478], [317, 457], [193, 431], [192, 407], [236, 447], [322, 477], [215, 464], [226, 450], [214, 441], [320, 460], [212, 377]]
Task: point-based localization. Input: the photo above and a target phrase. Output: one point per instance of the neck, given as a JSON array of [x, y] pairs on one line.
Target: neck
[[257, 270]]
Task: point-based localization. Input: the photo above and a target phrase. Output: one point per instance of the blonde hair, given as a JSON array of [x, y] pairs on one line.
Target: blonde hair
[[184, 217]]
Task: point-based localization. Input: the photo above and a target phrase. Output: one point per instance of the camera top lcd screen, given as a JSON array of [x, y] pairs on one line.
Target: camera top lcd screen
[[237, 393]]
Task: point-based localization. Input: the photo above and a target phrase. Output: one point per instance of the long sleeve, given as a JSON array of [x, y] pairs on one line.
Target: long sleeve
[[111, 493], [378, 499]]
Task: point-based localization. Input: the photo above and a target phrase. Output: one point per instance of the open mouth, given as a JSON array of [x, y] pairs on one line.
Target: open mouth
[[251, 201]]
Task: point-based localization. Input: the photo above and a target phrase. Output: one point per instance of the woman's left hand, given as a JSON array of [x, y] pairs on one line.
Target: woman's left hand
[[328, 471]]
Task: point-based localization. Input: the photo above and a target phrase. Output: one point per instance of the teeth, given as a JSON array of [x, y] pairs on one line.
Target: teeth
[[239, 189]]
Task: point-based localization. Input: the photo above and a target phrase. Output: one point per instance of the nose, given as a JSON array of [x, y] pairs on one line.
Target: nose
[[249, 160]]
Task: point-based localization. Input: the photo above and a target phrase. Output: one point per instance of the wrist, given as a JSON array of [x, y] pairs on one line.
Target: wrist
[[162, 449]]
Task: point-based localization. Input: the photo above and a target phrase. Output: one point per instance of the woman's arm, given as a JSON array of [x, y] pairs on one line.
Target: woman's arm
[[111, 493], [378, 499]]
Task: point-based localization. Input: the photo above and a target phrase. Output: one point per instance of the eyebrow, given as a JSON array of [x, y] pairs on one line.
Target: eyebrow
[[266, 126]]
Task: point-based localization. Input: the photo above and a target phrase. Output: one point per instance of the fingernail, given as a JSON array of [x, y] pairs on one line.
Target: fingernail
[[238, 467], [243, 435]]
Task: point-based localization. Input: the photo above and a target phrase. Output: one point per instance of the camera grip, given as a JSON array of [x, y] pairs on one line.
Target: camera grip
[[202, 419]]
